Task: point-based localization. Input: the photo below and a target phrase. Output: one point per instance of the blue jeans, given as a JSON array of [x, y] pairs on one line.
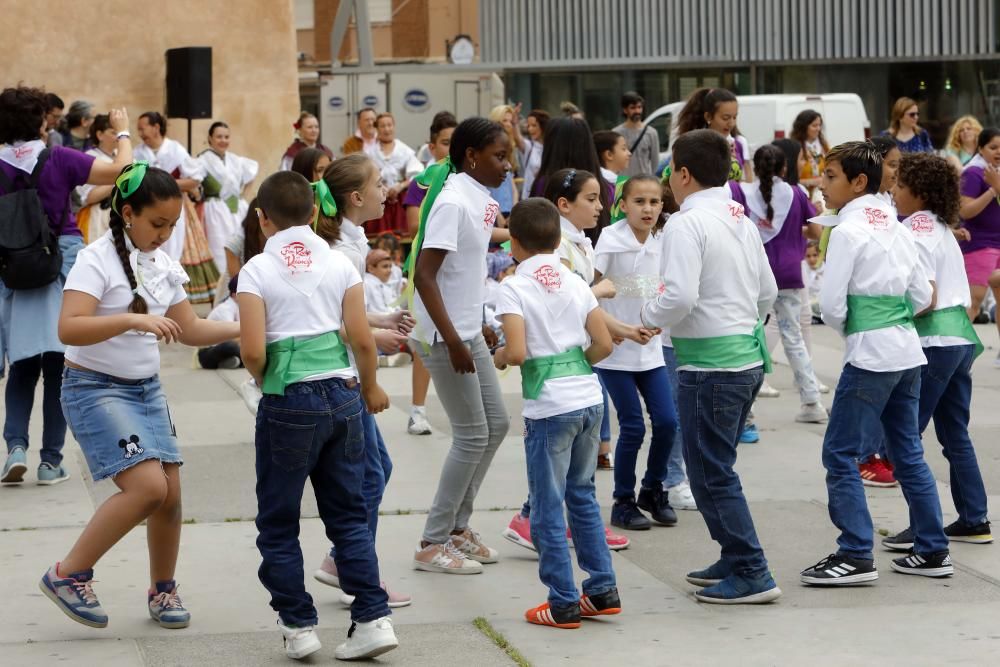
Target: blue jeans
[[561, 453], [945, 394], [606, 419], [315, 431], [865, 405], [675, 463], [19, 400], [713, 408], [625, 388]]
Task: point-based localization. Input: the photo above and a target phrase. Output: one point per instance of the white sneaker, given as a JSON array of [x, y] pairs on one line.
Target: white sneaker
[[418, 424], [823, 389], [251, 395], [812, 413], [367, 640], [767, 391], [444, 558], [681, 498], [469, 543], [300, 642]]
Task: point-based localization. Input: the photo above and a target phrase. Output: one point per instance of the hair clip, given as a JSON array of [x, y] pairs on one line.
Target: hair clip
[[568, 181]]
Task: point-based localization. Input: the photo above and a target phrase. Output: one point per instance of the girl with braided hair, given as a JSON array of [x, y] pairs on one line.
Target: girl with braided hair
[[123, 295], [781, 213]]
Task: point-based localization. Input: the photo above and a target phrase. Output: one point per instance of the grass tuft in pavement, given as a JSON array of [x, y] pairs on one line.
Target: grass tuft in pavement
[[484, 626]]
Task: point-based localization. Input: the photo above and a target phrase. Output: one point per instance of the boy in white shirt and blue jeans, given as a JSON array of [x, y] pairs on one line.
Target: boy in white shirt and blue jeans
[[873, 283], [555, 331], [299, 302]]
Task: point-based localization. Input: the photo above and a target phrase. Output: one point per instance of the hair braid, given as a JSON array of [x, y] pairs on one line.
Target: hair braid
[[768, 162], [117, 225]]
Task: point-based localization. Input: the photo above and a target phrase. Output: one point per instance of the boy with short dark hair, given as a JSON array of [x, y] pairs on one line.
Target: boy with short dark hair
[[717, 289], [873, 283], [299, 300], [555, 331]]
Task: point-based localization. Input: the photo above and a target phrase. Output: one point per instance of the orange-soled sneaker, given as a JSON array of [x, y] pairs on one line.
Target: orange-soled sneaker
[[602, 604], [566, 618]]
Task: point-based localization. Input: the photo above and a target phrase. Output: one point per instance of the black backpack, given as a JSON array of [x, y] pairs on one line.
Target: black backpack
[[29, 251]]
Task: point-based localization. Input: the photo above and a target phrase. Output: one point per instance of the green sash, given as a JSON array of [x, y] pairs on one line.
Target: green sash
[[952, 321], [733, 351], [534, 372], [212, 188], [292, 360], [867, 313]]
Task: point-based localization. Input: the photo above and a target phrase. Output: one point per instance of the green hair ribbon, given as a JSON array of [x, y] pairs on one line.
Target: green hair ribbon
[[128, 182], [324, 201]]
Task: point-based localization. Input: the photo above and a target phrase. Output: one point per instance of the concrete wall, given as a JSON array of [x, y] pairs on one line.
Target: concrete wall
[[98, 54]]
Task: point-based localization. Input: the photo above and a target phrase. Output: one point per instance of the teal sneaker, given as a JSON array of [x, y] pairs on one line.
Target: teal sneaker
[[750, 435], [49, 475], [735, 589], [15, 467], [166, 608], [74, 596]]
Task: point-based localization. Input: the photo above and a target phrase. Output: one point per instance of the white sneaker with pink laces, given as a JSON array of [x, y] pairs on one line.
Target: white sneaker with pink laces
[[469, 543], [444, 558]]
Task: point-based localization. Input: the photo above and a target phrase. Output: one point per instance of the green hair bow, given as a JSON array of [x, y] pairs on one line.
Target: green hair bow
[[128, 182], [324, 200]]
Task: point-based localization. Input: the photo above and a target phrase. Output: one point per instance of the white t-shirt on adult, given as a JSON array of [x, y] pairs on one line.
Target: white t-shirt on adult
[[98, 271], [294, 310], [942, 259], [554, 303], [635, 270], [461, 222]]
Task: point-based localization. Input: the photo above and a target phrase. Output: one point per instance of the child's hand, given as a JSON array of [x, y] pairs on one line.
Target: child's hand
[[646, 334], [604, 289], [492, 340], [500, 358], [992, 177], [375, 398], [163, 328], [962, 234], [461, 358], [388, 341]]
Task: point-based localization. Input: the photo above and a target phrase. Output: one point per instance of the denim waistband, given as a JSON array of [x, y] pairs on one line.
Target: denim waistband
[[69, 372]]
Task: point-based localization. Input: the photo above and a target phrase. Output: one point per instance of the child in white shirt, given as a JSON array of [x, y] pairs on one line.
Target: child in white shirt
[[872, 285], [718, 285], [380, 294], [299, 301], [227, 353], [550, 316], [812, 276]]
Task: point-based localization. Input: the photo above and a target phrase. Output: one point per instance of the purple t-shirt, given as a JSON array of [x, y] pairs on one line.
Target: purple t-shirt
[[414, 194], [985, 227], [65, 169], [785, 251]]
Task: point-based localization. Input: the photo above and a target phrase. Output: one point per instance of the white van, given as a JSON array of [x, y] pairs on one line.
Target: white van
[[764, 118]]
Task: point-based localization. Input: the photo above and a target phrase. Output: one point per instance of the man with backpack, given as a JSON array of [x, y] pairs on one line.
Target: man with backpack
[[642, 140]]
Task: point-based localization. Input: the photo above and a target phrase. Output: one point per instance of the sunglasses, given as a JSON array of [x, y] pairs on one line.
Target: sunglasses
[[914, 114]]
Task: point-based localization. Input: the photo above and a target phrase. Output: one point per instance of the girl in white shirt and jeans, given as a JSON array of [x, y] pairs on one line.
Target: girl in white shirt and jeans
[[123, 295]]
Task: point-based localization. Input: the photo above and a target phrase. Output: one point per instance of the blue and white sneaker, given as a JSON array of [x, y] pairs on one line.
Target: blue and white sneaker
[[166, 608], [710, 576], [735, 589], [15, 467], [49, 475], [74, 596], [750, 434]]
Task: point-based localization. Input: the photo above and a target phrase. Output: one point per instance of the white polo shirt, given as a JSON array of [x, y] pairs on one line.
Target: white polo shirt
[[554, 303]]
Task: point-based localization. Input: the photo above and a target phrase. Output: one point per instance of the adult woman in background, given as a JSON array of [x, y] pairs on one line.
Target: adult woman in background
[[306, 136], [808, 131], [75, 127], [29, 318], [531, 148], [93, 218], [397, 163], [905, 129], [962, 144], [228, 175]]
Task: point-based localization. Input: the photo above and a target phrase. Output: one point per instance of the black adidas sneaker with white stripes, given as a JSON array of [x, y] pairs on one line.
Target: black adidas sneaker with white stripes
[[837, 570], [932, 565]]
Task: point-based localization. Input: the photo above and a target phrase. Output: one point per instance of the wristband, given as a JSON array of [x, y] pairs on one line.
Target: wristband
[[124, 134]]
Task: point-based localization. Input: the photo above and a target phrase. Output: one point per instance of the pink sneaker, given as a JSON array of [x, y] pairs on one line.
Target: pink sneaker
[[396, 600], [615, 541], [327, 572], [518, 531]]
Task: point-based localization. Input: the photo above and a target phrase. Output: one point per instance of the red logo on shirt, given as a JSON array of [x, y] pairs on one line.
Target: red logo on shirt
[[490, 216], [736, 210], [549, 277], [22, 151], [297, 256], [922, 224], [877, 218]]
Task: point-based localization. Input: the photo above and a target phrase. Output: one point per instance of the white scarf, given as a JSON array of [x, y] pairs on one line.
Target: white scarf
[[574, 235], [872, 214], [619, 237], [155, 273], [23, 155], [301, 257], [545, 274], [224, 171], [976, 161], [781, 202]]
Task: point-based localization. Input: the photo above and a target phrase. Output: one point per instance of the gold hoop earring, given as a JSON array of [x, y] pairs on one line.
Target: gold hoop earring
[[473, 164]]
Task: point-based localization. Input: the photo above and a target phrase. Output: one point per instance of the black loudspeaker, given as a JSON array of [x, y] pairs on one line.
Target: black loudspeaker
[[189, 82]]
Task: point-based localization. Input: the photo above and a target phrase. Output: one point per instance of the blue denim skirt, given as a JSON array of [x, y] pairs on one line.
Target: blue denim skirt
[[117, 422]]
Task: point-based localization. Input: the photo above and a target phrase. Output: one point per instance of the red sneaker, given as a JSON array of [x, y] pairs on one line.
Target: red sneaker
[[518, 531], [615, 541], [875, 472], [567, 619]]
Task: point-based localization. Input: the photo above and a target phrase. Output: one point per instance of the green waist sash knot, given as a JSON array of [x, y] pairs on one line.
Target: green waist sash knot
[[292, 360], [534, 372], [953, 321]]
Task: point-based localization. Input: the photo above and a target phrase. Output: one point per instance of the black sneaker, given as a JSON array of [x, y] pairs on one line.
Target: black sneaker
[[655, 502], [959, 532], [899, 542], [602, 604], [932, 565], [625, 514], [837, 570]]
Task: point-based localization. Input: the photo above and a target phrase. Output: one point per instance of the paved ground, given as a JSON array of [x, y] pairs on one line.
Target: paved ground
[[901, 620]]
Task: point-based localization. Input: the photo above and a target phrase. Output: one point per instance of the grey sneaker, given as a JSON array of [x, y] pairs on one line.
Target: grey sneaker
[[166, 608], [49, 475], [15, 467], [74, 596], [812, 413]]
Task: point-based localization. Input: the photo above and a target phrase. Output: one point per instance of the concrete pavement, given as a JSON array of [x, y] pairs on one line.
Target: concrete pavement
[[899, 620]]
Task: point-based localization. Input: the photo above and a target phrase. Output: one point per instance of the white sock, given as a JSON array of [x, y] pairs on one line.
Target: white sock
[[417, 410]]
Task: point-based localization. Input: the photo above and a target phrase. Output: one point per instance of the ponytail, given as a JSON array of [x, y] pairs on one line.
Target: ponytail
[[768, 162], [344, 176]]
